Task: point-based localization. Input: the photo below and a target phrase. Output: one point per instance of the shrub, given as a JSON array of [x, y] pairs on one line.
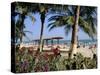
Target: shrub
[[80, 62], [28, 61]]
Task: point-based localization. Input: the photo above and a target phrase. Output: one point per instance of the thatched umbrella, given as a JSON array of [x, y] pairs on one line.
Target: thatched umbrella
[[37, 41], [58, 38], [47, 39]]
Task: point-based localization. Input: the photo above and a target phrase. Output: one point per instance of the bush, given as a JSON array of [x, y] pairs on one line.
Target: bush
[[80, 62], [27, 61]]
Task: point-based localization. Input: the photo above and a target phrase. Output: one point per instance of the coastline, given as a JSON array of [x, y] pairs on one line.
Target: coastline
[[85, 50]]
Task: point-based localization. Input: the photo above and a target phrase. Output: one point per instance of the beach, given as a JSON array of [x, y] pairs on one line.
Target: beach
[[86, 49], [63, 37]]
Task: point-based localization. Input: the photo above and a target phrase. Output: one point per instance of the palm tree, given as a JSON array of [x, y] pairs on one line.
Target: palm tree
[[13, 14], [77, 17], [43, 9], [24, 9], [19, 26], [74, 33], [19, 35]]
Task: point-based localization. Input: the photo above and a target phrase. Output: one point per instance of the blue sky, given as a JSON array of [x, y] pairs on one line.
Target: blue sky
[[36, 27]]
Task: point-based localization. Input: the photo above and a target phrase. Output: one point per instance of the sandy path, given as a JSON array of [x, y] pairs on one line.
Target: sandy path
[[86, 52]]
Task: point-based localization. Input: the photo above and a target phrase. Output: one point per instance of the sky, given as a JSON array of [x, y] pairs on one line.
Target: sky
[[35, 28]]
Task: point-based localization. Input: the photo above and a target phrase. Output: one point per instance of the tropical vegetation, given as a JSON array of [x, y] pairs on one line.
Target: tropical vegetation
[[72, 18], [76, 18]]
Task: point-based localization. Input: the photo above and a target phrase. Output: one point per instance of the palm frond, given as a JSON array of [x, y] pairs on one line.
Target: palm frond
[[59, 21], [71, 10], [52, 27], [25, 31], [86, 27], [31, 17], [67, 29], [55, 17], [93, 23], [70, 20]]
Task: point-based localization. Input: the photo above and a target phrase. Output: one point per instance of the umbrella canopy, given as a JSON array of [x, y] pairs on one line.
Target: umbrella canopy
[[52, 38], [47, 39], [57, 38]]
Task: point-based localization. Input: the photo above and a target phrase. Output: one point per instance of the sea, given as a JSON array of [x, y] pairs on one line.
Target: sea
[[68, 42]]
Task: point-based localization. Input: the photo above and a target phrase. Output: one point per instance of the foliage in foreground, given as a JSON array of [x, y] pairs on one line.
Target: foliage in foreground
[[29, 61]]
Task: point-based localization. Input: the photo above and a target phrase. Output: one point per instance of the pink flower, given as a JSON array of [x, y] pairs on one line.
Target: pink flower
[[46, 67]]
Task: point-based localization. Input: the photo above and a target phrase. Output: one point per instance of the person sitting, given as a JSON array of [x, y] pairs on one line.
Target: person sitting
[[83, 46], [78, 46]]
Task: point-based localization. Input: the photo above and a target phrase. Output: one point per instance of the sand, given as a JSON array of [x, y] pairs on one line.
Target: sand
[[86, 52]]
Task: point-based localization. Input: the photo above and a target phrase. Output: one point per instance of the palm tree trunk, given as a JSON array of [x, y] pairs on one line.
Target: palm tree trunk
[[22, 16], [73, 48], [42, 28], [41, 38]]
